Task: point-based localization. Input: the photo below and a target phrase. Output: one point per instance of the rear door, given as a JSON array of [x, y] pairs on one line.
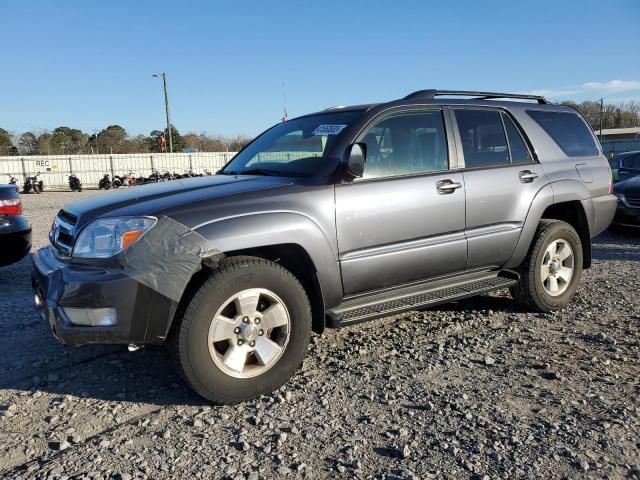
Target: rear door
[[501, 179], [629, 167], [404, 220]]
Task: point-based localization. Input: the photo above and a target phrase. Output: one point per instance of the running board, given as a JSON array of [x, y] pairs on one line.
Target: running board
[[407, 298]]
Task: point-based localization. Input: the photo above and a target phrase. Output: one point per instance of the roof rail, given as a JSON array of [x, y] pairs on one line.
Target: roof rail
[[479, 95]]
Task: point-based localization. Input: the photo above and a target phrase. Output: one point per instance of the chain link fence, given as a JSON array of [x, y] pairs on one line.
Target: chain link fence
[[55, 169]]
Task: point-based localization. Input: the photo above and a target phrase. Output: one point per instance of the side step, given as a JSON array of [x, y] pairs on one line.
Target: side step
[[406, 298]]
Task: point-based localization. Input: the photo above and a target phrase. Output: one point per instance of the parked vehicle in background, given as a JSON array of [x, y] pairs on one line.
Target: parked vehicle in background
[[331, 219], [105, 182], [74, 183], [625, 165], [628, 193], [15, 231], [33, 185]]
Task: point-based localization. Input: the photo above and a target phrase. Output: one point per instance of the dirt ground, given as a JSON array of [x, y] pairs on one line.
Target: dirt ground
[[475, 389]]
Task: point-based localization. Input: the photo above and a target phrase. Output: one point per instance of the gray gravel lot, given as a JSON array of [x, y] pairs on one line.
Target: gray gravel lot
[[476, 389]]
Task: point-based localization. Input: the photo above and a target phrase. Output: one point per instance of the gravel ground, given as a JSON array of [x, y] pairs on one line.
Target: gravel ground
[[475, 389]]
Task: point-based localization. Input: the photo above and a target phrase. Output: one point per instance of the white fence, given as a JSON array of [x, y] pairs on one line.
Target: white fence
[[55, 169]]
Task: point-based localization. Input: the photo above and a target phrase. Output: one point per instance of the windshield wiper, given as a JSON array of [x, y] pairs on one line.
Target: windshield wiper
[[253, 171]]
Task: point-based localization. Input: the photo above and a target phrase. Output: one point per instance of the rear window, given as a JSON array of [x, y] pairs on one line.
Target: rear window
[[568, 130]]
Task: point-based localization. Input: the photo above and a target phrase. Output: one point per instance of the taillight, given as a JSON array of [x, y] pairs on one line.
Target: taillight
[[10, 206], [606, 162]]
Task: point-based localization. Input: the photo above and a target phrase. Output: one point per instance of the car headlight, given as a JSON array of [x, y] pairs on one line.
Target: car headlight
[[107, 237], [620, 196]]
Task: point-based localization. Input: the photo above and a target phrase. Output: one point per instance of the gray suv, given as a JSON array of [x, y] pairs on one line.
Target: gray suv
[[330, 219]]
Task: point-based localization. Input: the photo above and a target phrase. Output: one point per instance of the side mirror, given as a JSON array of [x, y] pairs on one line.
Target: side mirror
[[356, 156]]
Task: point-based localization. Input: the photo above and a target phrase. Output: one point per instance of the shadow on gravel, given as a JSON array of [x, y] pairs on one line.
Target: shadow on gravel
[[32, 360], [620, 244], [503, 304]]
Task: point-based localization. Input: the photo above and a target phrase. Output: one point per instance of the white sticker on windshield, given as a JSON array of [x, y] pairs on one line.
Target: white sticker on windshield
[[328, 129]]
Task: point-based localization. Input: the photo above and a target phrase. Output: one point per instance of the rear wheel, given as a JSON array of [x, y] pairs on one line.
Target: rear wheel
[[550, 273], [244, 332]]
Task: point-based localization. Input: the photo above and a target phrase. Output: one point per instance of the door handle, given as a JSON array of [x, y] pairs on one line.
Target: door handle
[[447, 186], [527, 176]]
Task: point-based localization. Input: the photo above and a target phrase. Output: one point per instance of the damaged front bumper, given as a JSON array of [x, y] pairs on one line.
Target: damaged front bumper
[[131, 298]]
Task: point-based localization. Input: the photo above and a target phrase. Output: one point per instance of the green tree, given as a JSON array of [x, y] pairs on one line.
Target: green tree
[[44, 144], [67, 140], [28, 144], [178, 141], [5, 142], [112, 139]]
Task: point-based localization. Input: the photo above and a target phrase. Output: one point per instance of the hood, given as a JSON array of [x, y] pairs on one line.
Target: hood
[[629, 187], [153, 198]]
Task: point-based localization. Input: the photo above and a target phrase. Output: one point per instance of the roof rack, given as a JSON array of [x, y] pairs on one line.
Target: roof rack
[[478, 95]]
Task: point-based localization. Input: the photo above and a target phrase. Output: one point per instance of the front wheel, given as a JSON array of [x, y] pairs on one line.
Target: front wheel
[[244, 332], [551, 271]]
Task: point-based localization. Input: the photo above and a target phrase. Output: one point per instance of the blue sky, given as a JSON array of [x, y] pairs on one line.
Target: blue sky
[[87, 64]]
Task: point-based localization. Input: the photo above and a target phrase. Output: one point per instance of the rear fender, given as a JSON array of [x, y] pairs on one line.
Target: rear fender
[[553, 193]]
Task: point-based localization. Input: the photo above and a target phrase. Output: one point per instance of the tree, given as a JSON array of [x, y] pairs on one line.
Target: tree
[[176, 138], [67, 140], [28, 144], [44, 144], [112, 139], [613, 116], [6, 143]]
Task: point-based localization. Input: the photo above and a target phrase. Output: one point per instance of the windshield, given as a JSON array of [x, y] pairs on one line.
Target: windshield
[[295, 148]]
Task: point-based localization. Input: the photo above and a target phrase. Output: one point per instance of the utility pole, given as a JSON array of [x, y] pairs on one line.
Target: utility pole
[[601, 114], [166, 107]]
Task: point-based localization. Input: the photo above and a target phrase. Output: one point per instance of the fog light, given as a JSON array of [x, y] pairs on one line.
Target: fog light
[[91, 317], [37, 300]]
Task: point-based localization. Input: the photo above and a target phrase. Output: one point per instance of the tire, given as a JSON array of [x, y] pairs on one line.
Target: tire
[[202, 361], [37, 189], [79, 188], [537, 294]]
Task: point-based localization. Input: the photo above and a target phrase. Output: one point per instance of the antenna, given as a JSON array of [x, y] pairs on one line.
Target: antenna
[[285, 117]]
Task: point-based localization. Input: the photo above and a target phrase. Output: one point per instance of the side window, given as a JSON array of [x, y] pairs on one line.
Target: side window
[[483, 139], [632, 162], [406, 144], [568, 130], [519, 151]]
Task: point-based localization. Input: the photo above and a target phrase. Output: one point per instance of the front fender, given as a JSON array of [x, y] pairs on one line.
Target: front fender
[[262, 229]]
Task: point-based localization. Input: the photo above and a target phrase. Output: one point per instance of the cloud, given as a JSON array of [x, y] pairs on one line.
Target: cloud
[[552, 93], [612, 86]]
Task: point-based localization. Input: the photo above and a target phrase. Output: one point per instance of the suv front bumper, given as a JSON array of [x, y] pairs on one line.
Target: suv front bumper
[[143, 315]]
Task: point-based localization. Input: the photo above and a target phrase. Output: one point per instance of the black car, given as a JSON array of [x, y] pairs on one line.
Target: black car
[[15, 231], [628, 193], [625, 166]]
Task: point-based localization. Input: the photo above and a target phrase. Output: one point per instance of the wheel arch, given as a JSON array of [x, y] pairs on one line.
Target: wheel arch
[[564, 201]]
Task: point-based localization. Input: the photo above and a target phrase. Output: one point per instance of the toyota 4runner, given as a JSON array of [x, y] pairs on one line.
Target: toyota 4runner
[[330, 219]]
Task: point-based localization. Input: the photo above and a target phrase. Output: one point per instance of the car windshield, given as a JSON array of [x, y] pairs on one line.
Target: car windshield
[[294, 148]]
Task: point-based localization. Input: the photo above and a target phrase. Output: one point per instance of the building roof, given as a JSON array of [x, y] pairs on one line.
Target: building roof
[[619, 131]]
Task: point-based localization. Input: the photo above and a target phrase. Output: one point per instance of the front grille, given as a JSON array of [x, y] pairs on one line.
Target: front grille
[[633, 201], [63, 231]]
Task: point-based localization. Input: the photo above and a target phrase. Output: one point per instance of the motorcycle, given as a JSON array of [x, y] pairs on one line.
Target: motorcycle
[[74, 183], [105, 182], [13, 181], [32, 184], [119, 181]]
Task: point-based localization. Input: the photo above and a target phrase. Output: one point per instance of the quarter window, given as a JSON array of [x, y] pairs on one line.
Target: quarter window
[[406, 144], [568, 130]]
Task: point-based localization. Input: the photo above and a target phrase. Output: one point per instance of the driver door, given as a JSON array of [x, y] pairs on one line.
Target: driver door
[[404, 220]]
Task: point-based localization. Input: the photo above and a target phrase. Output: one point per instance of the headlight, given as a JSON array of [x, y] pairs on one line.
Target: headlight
[[107, 237], [620, 196]]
